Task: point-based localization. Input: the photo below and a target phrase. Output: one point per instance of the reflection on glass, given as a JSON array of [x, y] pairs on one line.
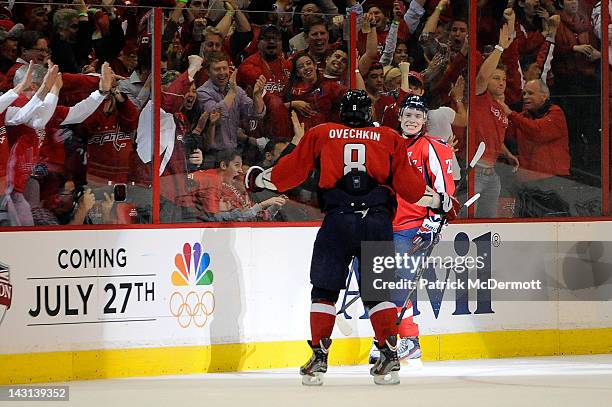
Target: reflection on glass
[[241, 84]]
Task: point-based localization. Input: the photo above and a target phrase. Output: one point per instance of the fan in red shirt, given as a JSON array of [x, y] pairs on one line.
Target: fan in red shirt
[[381, 22], [374, 83], [269, 62], [359, 164], [491, 127], [316, 101], [317, 38]]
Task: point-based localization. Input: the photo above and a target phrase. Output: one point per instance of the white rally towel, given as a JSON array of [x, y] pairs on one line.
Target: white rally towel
[[144, 136]]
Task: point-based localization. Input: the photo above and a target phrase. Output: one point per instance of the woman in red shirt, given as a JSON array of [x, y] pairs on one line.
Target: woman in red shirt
[[316, 100]]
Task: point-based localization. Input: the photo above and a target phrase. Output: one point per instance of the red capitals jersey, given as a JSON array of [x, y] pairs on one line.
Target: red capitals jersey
[[110, 141], [277, 73], [433, 158], [338, 149]]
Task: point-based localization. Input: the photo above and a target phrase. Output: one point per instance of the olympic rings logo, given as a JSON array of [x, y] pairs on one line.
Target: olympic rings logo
[[193, 308]]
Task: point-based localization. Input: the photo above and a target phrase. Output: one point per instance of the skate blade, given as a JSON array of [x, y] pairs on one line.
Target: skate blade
[[412, 363], [389, 378], [316, 379]]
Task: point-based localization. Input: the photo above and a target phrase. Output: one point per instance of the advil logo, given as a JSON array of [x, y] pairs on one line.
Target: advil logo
[[461, 247], [6, 291], [191, 304]]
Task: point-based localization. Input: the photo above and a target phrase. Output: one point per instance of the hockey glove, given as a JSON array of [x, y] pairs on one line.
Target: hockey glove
[[251, 177], [257, 179], [449, 206], [427, 234]]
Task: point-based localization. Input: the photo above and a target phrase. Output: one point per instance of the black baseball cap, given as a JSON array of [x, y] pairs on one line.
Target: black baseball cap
[[268, 28]]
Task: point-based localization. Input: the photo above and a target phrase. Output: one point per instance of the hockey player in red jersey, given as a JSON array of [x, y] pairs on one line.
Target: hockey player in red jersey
[[414, 224], [360, 168]]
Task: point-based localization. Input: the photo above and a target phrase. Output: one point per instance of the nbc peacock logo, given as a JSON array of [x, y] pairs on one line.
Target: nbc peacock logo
[[193, 302]]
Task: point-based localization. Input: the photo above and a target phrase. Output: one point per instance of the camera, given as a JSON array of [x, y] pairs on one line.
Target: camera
[[120, 192]]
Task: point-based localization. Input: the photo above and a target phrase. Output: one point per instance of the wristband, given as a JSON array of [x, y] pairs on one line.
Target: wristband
[[440, 9], [230, 13], [499, 48], [83, 15], [183, 1], [104, 92]]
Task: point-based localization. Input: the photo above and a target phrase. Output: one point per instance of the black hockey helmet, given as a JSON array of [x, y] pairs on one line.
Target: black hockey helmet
[[413, 102], [356, 108]]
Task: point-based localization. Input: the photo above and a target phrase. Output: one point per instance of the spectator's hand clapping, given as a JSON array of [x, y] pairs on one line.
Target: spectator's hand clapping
[[259, 87], [303, 108], [214, 117], [230, 5], [338, 21], [202, 122], [443, 3], [90, 68], [26, 82], [542, 13], [59, 82], [199, 24], [232, 81], [404, 67], [466, 46], [106, 80], [504, 37], [510, 18], [50, 76], [397, 10], [195, 64], [458, 89]]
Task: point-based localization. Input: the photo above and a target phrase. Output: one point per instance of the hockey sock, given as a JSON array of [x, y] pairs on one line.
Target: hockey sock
[[382, 318], [408, 327], [322, 319]]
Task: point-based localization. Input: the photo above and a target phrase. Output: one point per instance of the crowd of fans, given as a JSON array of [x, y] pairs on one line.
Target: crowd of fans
[[243, 80]]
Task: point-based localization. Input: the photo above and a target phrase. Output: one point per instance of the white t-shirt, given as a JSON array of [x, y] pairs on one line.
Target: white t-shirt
[[439, 123]]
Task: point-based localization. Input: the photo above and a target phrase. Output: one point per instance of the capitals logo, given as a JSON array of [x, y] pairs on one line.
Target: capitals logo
[[192, 303], [6, 291]]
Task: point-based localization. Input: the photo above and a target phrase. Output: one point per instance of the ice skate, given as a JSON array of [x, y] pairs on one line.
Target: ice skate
[[312, 372], [374, 352], [386, 367]]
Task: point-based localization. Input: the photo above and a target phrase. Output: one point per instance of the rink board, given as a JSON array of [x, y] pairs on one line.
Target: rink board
[[171, 301]]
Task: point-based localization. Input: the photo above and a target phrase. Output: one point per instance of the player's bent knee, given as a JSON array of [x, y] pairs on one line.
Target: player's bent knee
[[318, 294]]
